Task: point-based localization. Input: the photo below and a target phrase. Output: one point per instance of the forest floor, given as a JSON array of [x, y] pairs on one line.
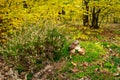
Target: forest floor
[[101, 61]]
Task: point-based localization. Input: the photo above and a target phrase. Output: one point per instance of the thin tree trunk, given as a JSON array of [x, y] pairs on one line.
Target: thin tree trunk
[[85, 20], [95, 18], [85, 16]]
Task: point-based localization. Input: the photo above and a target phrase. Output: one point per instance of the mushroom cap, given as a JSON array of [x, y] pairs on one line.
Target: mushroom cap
[[72, 46], [76, 42], [82, 51]]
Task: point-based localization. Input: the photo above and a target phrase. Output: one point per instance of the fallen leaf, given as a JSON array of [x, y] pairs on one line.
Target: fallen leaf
[[74, 70], [81, 51], [85, 64], [74, 64], [116, 74]]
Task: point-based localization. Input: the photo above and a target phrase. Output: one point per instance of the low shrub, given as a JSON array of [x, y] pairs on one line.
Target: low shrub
[[35, 45]]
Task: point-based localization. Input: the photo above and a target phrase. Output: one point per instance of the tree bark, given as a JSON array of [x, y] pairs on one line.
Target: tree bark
[[85, 20], [95, 18], [85, 16]]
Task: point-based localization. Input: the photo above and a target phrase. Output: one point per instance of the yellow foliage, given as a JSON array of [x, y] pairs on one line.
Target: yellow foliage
[[16, 13]]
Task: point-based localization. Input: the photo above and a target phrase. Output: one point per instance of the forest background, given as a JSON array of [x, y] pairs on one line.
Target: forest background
[[35, 33]]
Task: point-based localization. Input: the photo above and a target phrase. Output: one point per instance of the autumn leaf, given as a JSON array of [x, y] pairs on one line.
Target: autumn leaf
[[74, 64]]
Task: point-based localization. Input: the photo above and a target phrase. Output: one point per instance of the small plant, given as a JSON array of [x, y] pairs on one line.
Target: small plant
[[116, 60], [115, 47], [106, 44], [29, 76]]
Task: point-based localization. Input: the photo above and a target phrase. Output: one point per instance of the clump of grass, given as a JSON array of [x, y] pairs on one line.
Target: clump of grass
[[34, 45], [117, 32], [101, 76], [115, 47], [116, 60]]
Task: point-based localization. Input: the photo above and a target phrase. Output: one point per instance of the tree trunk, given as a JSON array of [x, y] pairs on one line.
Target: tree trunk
[[95, 18], [115, 20], [85, 20], [85, 16]]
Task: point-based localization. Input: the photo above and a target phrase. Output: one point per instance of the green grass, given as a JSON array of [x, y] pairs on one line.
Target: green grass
[[93, 52], [114, 47], [117, 32]]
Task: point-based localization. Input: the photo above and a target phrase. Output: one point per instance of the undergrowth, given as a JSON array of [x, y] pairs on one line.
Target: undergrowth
[[35, 45]]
